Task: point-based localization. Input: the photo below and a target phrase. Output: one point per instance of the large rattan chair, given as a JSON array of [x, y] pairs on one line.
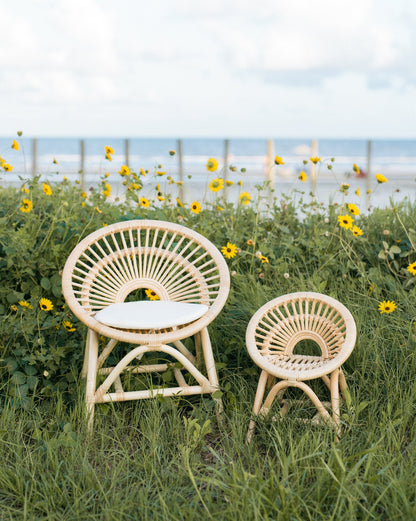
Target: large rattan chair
[[272, 335], [177, 266]]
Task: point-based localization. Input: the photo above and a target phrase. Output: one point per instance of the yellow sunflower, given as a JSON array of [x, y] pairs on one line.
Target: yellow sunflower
[[353, 209], [152, 295], [278, 160], [357, 192], [144, 202], [250, 242], [15, 145], [124, 170], [69, 326], [178, 202], [212, 164], [381, 179], [216, 184], [45, 304], [7, 167], [387, 306], [345, 221], [107, 189], [303, 177], [25, 304], [412, 268], [356, 231], [356, 169], [27, 206], [315, 159], [229, 251], [47, 189], [245, 198], [195, 207]]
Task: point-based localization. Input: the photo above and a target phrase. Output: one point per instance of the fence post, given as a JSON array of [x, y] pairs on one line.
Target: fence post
[[127, 151], [34, 156], [181, 191], [225, 172], [368, 176], [82, 164], [314, 173], [270, 166]]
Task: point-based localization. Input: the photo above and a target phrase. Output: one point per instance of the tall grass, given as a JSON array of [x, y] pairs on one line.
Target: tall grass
[[169, 459]]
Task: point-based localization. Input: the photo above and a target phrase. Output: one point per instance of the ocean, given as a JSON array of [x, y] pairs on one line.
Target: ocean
[[395, 159]]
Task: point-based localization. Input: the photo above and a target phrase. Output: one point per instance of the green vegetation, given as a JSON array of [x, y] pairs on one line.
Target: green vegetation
[[169, 458]]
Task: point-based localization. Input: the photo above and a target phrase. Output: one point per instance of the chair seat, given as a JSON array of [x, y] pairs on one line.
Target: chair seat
[[299, 364], [158, 314]]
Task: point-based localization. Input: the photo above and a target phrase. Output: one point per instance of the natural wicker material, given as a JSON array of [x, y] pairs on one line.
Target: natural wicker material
[[175, 262], [274, 331]]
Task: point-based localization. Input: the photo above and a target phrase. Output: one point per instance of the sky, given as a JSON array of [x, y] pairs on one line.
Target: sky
[[216, 68]]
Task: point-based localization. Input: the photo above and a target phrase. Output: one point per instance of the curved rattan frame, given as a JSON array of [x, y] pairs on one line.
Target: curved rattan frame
[[172, 260], [274, 331]]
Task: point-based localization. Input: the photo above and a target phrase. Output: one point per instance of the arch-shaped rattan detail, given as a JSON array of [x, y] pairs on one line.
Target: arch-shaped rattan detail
[[177, 263], [278, 326]]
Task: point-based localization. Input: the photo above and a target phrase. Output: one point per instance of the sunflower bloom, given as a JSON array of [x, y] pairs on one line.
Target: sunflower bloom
[[387, 306], [245, 198], [55, 162], [15, 145], [229, 183], [212, 164], [278, 160], [303, 177], [160, 173], [412, 268], [172, 152], [229, 251], [356, 169], [144, 202], [124, 170], [25, 304], [353, 209], [356, 231], [45, 304], [160, 196], [109, 150], [216, 184], [47, 189], [152, 295], [381, 179], [69, 326], [195, 207], [250, 242], [345, 221], [7, 167], [27, 206], [107, 190], [315, 159], [357, 192], [178, 202], [263, 259]]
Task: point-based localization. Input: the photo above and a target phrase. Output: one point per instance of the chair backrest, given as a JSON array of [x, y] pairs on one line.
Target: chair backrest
[[174, 262], [278, 326]]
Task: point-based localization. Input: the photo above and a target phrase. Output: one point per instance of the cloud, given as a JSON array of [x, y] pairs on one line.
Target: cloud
[[304, 42]]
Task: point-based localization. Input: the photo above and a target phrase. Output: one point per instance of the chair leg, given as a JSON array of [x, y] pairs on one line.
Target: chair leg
[[335, 401], [91, 356], [211, 371], [257, 403]]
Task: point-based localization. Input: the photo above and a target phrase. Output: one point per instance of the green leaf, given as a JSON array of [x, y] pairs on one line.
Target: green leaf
[[395, 249], [32, 381], [18, 378], [30, 370], [45, 283]]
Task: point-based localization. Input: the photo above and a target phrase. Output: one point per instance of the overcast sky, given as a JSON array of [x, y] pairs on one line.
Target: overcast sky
[[217, 68]]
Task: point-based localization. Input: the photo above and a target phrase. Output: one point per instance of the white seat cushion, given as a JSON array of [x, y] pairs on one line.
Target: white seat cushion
[[157, 314]]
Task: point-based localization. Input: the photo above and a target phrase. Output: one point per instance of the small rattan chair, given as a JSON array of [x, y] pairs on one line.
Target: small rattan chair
[[272, 335], [177, 266]]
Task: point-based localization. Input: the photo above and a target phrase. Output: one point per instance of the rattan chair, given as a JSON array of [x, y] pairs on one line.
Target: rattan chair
[[177, 266], [272, 336]]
